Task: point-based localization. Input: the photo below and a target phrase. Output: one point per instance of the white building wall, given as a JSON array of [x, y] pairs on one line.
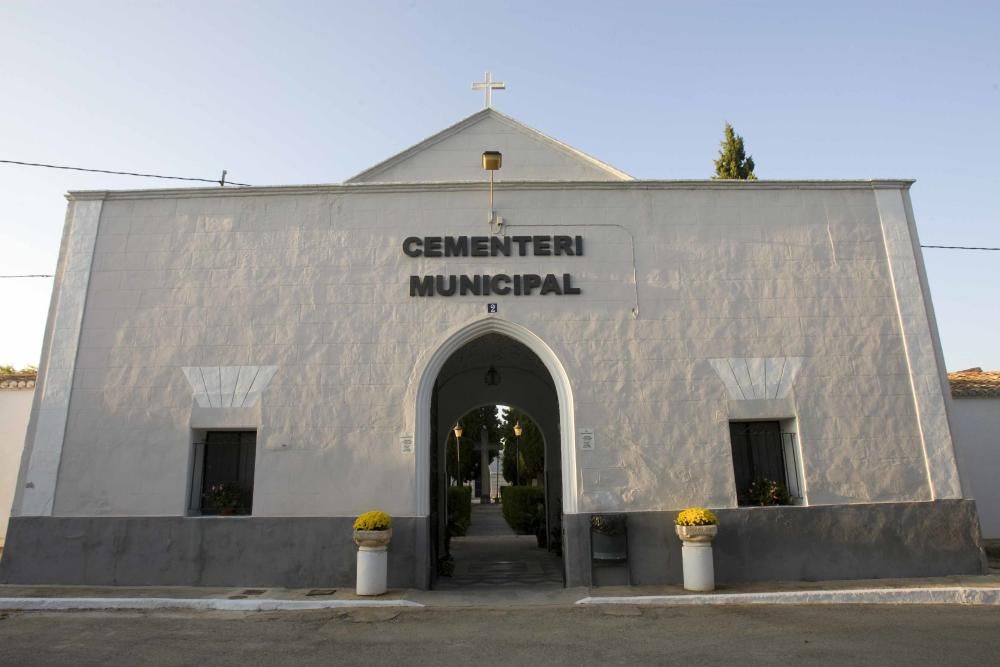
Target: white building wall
[[15, 408], [976, 422], [315, 283], [456, 155]]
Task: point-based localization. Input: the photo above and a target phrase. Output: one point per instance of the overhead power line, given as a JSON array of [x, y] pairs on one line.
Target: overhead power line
[[957, 247], [30, 275], [220, 181]]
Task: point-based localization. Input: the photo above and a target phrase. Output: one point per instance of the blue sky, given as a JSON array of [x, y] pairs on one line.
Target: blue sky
[[310, 92]]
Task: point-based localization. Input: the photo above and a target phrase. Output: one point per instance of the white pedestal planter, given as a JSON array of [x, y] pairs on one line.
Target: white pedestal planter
[[696, 556], [373, 561]]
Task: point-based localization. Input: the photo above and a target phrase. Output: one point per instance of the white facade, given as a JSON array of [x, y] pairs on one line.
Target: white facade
[[702, 302]]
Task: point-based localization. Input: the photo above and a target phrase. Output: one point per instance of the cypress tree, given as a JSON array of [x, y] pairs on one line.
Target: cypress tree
[[733, 162]]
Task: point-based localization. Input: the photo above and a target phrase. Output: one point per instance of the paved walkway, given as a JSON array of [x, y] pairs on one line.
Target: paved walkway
[[492, 556]]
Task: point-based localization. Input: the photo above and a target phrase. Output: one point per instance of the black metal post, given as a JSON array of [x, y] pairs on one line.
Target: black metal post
[[517, 461]]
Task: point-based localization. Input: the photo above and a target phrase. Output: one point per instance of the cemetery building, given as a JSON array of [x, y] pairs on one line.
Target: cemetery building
[[674, 341]]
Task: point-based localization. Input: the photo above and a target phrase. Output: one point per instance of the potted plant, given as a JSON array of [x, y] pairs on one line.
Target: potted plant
[[225, 498], [372, 533], [766, 492], [697, 527], [607, 535]]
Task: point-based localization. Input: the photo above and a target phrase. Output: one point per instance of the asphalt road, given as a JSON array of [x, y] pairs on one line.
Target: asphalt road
[[800, 635]]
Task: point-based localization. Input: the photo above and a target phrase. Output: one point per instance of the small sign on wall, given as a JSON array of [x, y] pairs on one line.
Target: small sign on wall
[[586, 438], [406, 444]]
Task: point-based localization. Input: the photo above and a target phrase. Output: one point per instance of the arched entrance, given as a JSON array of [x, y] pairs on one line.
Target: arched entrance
[[454, 381]]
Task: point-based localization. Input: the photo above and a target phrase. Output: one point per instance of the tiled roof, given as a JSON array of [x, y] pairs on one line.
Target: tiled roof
[[975, 382], [18, 380]]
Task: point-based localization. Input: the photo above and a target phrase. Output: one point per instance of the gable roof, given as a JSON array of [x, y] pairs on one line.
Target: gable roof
[[975, 382], [453, 154]]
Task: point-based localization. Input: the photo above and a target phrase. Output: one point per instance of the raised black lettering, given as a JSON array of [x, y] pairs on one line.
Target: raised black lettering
[[480, 246], [441, 289], [568, 283], [500, 245], [456, 246], [531, 281], [500, 284], [470, 285], [522, 244], [432, 246], [421, 285], [517, 285], [411, 246], [541, 246], [551, 284], [563, 245], [579, 246], [486, 285]]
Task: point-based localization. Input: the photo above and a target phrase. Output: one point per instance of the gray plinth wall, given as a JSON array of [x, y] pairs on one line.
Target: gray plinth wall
[[917, 539], [203, 551], [883, 540]]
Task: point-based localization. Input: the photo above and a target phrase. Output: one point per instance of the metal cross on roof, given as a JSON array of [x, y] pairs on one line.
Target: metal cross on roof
[[488, 86]]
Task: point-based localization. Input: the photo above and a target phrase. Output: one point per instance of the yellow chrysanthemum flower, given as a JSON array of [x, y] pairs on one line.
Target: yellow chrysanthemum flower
[[696, 516], [374, 520]]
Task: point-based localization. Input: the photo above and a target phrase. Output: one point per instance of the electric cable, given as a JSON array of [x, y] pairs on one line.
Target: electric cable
[[957, 247], [221, 181]]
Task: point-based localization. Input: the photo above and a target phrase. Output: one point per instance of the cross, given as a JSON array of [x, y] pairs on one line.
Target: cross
[[488, 86]]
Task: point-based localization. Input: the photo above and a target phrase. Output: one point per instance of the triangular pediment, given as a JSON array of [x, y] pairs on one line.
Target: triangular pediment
[[454, 155]]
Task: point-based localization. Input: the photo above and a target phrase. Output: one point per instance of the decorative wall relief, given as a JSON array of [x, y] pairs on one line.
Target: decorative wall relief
[[757, 378], [228, 386]]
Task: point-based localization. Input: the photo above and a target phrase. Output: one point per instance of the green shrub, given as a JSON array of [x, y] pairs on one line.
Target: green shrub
[[520, 507], [459, 510], [768, 492]]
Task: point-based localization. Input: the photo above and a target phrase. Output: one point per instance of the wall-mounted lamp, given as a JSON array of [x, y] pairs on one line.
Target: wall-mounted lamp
[[492, 377], [457, 429], [492, 161]]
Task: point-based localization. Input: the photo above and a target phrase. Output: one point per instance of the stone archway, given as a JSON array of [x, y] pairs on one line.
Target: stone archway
[[430, 365], [452, 384]]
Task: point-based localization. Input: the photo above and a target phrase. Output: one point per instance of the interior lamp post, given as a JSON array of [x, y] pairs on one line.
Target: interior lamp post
[[457, 429], [492, 160], [517, 452], [498, 476]]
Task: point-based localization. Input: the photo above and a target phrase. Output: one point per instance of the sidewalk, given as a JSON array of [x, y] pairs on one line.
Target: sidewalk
[[981, 590], [968, 590]]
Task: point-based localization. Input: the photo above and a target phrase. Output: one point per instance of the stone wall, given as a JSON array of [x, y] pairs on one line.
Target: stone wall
[[179, 551], [976, 422], [861, 541], [15, 407], [314, 283]]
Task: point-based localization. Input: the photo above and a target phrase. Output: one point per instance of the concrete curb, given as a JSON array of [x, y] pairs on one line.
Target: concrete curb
[[944, 595], [220, 604]]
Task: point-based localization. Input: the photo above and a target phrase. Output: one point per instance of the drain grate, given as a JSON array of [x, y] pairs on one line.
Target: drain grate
[[321, 591]]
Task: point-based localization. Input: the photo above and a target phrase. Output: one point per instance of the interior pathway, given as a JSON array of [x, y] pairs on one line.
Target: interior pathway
[[492, 555]]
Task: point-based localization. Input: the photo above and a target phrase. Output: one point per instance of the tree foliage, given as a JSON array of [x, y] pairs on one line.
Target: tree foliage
[[472, 422], [733, 162], [529, 453], [9, 369]]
